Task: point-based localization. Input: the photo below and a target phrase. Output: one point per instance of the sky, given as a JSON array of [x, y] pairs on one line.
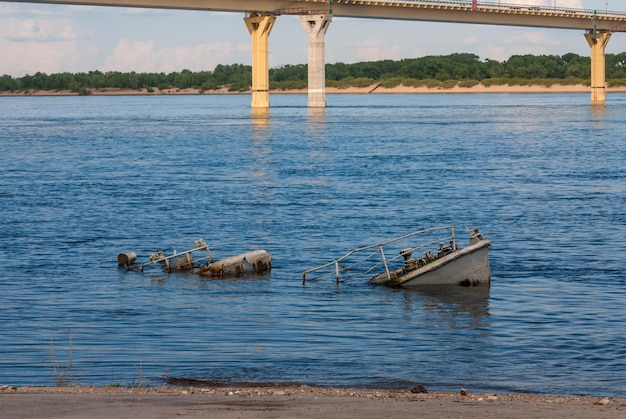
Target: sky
[[58, 38]]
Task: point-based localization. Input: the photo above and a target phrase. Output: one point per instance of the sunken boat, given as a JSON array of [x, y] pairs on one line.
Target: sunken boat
[[199, 260], [442, 263]]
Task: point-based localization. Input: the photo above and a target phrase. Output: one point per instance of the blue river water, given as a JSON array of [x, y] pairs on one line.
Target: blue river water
[[84, 178]]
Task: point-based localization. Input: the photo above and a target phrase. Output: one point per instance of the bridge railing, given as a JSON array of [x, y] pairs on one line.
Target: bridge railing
[[513, 7]]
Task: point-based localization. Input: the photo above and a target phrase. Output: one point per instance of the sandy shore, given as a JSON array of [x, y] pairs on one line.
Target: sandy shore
[[292, 402], [330, 90]]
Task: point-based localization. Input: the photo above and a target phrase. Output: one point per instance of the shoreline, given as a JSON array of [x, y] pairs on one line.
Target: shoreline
[[295, 401], [374, 89]]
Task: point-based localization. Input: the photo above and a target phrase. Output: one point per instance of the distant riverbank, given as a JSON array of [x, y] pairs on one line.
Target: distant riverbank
[[374, 89]]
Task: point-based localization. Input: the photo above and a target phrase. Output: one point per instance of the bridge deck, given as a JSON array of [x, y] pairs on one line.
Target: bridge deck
[[420, 10]]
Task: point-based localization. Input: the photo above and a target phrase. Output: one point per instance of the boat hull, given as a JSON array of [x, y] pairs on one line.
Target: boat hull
[[254, 262], [466, 267]]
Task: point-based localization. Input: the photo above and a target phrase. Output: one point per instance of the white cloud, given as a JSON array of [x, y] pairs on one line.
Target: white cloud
[[35, 45], [34, 30], [470, 41], [144, 56], [23, 58], [533, 38], [373, 49], [527, 42], [6, 9]]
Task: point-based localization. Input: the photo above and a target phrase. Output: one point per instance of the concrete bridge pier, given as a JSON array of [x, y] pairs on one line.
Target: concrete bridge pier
[[316, 27], [260, 27], [598, 41]]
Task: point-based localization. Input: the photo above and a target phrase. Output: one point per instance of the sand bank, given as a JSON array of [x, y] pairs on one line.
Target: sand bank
[[329, 90], [294, 401]]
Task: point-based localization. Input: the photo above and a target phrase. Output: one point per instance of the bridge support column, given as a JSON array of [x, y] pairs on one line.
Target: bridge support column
[[316, 27], [260, 28], [598, 41]]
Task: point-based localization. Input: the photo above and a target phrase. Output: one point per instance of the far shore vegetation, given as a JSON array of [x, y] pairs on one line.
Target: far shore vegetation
[[442, 72]]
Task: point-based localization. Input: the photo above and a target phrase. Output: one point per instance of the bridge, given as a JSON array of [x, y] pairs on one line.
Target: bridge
[[316, 16]]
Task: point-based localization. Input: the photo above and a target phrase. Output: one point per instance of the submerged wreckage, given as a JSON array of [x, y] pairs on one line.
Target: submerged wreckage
[[254, 262], [450, 265]]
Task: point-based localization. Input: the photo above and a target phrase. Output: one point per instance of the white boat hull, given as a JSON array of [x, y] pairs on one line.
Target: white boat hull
[[466, 267], [392, 264]]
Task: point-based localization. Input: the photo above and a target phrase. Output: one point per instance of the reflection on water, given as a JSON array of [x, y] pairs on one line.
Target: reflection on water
[[316, 116], [451, 303], [316, 124], [261, 135], [598, 111], [260, 117]]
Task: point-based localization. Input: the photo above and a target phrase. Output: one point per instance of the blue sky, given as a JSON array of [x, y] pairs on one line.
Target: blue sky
[[57, 38]]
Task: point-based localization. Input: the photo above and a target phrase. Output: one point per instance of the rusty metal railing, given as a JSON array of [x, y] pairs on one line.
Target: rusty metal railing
[[346, 268]]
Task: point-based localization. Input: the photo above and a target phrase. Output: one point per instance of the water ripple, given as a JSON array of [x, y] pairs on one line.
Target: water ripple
[[86, 178]]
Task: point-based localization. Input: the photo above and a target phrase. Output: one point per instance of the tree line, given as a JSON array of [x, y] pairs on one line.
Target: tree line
[[461, 69]]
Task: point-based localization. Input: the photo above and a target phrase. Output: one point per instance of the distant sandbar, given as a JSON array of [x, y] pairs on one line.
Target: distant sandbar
[[374, 89]]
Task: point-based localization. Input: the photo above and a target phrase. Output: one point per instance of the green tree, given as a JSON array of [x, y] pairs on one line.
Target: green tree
[[616, 65], [7, 83], [337, 71]]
